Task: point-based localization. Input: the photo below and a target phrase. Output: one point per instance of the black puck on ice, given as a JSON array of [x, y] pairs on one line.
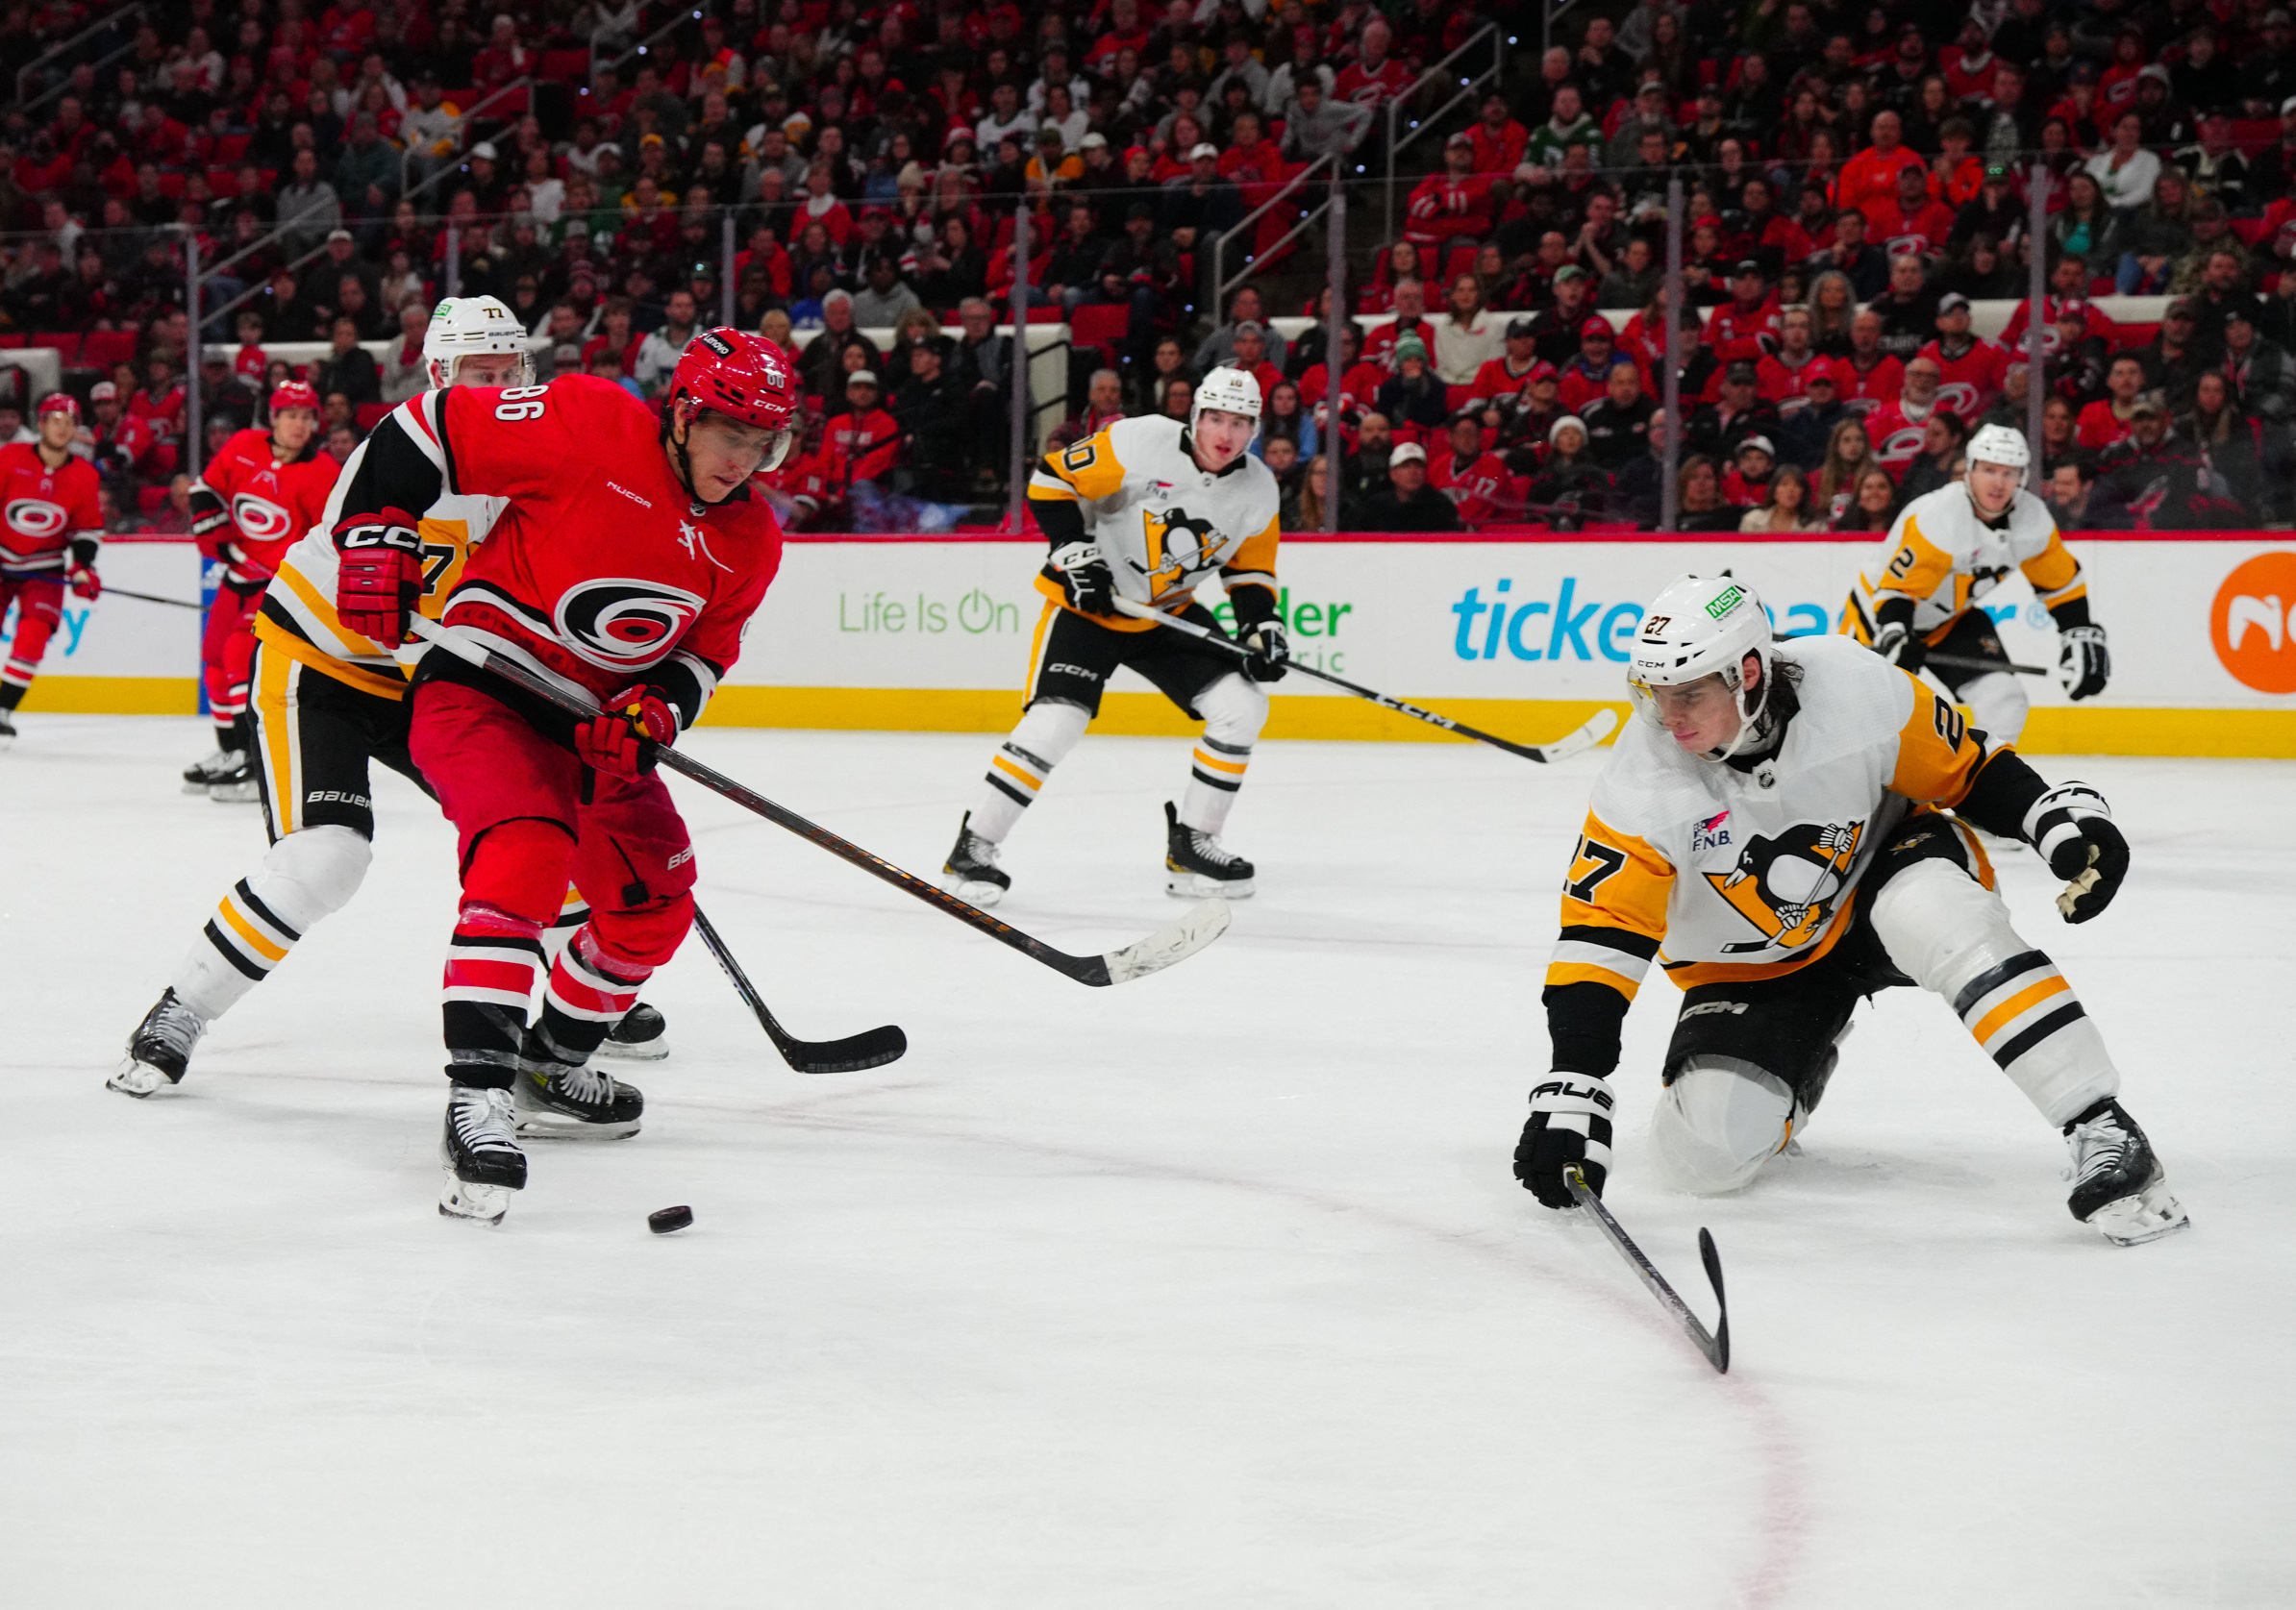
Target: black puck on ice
[[663, 1220]]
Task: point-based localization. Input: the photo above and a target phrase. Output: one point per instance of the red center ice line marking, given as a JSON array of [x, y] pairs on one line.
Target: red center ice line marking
[[1784, 1512]]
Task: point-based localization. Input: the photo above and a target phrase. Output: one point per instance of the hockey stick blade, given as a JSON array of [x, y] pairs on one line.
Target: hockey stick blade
[[872, 1048], [1716, 1343], [1202, 925], [1594, 732]]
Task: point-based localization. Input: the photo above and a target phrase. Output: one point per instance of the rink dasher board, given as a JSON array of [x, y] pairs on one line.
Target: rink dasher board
[[1522, 633]]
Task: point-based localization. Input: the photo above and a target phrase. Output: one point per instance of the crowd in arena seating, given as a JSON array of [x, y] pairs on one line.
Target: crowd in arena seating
[[1854, 179]]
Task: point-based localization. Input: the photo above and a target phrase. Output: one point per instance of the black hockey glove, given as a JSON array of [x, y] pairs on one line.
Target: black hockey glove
[[1896, 641], [1085, 577], [2072, 826], [2083, 663], [1271, 648], [1570, 1122]]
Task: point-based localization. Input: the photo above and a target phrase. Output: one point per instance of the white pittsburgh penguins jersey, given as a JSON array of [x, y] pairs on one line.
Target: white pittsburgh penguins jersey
[[1723, 875], [1941, 556], [1163, 523], [299, 608]]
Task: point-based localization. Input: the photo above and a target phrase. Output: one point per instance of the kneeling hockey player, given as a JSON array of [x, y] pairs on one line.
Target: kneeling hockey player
[[1947, 551], [1769, 820], [1146, 511]]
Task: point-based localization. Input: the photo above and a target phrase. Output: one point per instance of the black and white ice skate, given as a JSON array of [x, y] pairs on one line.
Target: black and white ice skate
[[236, 786], [2118, 1183], [8, 728], [1197, 864], [159, 1051], [641, 1036], [552, 1102], [480, 1152], [971, 873], [202, 774]]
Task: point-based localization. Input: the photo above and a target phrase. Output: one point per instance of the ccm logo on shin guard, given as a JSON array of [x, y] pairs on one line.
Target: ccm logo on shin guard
[[1736, 1008]]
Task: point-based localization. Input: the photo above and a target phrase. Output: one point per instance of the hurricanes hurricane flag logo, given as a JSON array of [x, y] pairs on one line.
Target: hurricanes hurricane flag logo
[[1787, 886], [623, 623]]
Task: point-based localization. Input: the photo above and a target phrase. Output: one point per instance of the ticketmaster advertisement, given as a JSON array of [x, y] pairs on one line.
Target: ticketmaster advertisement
[[1519, 636]]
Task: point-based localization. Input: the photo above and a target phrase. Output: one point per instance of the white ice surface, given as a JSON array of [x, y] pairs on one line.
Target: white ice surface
[[1211, 1290]]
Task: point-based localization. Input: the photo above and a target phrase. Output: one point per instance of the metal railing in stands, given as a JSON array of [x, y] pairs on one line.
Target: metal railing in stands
[[1489, 35], [1221, 279], [110, 20], [645, 46]]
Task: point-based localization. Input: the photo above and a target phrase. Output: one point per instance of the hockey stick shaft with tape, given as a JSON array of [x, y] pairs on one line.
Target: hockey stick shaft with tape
[[1203, 923], [1968, 662], [147, 598], [1715, 1343], [1586, 737], [872, 1048]]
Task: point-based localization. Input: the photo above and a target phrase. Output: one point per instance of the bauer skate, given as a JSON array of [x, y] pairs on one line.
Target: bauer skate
[[552, 1101], [641, 1036], [480, 1152], [971, 873], [159, 1051], [1197, 864], [203, 775], [2118, 1183]]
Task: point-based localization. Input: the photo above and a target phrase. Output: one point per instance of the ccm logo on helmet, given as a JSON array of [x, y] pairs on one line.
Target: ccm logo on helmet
[[260, 519], [36, 517], [620, 624]]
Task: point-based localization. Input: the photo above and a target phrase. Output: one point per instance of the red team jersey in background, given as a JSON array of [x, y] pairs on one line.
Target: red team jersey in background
[[41, 511], [271, 505], [1973, 380], [603, 571]]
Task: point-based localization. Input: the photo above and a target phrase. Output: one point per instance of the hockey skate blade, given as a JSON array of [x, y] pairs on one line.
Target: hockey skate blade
[[972, 891], [1189, 886], [656, 1049], [1205, 922], [2147, 1216], [138, 1079], [540, 1123], [484, 1205]]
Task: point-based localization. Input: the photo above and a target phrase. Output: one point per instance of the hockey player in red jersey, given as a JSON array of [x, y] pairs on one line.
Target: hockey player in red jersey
[[625, 567], [253, 502], [50, 526]]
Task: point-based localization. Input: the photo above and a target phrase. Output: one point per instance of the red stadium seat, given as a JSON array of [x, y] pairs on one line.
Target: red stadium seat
[[1045, 316], [1456, 397], [1099, 326], [13, 343], [65, 343], [104, 348], [1459, 259], [223, 182]]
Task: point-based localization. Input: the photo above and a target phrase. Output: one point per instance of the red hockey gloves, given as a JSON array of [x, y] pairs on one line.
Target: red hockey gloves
[[378, 575], [1570, 1122], [79, 571], [626, 736]]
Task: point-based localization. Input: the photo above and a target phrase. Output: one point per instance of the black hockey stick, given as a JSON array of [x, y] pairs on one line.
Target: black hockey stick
[[1597, 729], [1714, 1344], [1199, 926], [1968, 662], [145, 598], [872, 1048]]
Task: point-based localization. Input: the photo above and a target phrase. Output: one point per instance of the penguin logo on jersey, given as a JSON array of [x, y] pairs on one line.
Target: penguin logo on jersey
[[260, 519], [1787, 886], [1166, 568], [36, 517], [622, 624]]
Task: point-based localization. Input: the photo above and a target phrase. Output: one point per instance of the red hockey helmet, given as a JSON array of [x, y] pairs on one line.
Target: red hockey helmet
[[293, 394], [60, 401], [743, 377]]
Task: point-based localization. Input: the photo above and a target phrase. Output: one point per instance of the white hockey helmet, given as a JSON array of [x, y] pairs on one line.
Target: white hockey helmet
[[1702, 626], [466, 326], [1998, 444], [1230, 390]]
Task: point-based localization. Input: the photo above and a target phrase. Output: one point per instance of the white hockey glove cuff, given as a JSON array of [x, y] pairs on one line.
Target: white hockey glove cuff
[[1569, 1125]]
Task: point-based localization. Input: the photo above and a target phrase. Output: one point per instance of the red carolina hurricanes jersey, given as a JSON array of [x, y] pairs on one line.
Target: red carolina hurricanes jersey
[[270, 505], [41, 511], [1896, 434], [1973, 380], [1868, 389], [602, 570], [1746, 335], [1484, 489]]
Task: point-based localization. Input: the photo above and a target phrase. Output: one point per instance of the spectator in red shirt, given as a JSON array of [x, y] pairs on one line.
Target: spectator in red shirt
[[1783, 377], [2106, 421], [1868, 180], [1250, 355], [1868, 377], [1745, 329], [864, 434], [1410, 319], [1912, 221], [1587, 376], [1974, 368], [1497, 139], [1900, 429], [1454, 205], [1504, 375], [1747, 484], [1374, 77], [1478, 482]]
